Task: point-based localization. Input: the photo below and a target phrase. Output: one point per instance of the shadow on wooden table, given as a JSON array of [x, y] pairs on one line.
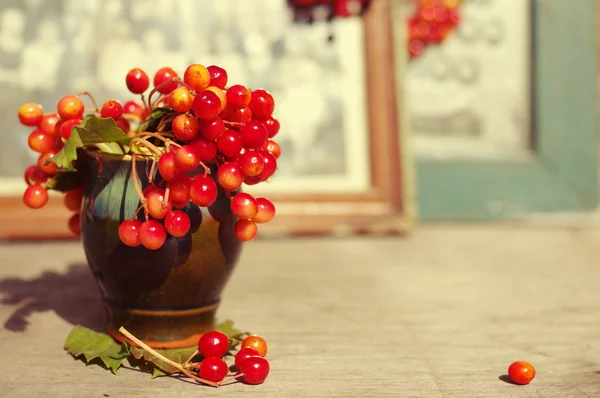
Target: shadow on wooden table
[[72, 295]]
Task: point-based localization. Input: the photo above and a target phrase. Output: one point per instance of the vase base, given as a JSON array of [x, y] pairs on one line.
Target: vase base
[[190, 341], [162, 329]]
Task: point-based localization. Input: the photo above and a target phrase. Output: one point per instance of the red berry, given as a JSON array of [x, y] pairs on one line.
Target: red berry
[[137, 81], [180, 100], [266, 211], [206, 105], [50, 168], [35, 196], [230, 143], [211, 129], [252, 180], [133, 108], [255, 370], [166, 166], [244, 354], [213, 369], [74, 224], [230, 176], [157, 207], [256, 342], [164, 78], [521, 372], [272, 126], [152, 234], [48, 124], [272, 147], [35, 175], [203, 190], [251, 162], [241, 115], [244, 206], [221, 94], [238, 96], [270, 166], [254, 134], [124, 125], [30, 114], [40, 142], [213, 344], [179, 189], [197, 77], [67, 126], [73, 199], [129, 232], [70, 107], [187, 158], [218, 76], [261, 103], [207, 150], [113, 109], [177, 223], [245, 230], [185, 127]]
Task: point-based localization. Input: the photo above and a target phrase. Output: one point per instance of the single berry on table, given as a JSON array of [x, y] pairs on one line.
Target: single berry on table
[[213, 369], [255, 370], [244, 354], [213, 344], [256, 342], [521, 372]]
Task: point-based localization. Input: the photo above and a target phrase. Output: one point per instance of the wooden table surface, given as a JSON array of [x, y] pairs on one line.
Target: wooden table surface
[[439, 314]]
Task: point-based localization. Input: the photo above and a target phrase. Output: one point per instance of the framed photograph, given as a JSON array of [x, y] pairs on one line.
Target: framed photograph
[[503, 112], [346, 165]]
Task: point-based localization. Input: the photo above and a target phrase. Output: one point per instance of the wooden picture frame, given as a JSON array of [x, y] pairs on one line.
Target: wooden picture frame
[[561, 174], [385, 207]]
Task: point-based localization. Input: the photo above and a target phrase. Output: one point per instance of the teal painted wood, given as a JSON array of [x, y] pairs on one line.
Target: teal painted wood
[[562, 174]]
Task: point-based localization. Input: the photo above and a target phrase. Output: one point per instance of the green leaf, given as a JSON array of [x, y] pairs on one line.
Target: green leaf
[[96, 129], [91, 345], [93, 130], [110, 147], [118, 198], [68, 155]]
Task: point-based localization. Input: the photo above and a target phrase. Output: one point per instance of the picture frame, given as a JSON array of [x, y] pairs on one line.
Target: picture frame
[[559, 175], [383, 206]]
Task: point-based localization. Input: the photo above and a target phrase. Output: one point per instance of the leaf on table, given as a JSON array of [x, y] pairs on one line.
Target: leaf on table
[[235, 335], [91, 345]]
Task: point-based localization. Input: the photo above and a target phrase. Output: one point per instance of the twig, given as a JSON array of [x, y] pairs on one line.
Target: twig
[[137, 186], [176, 365], [87, 93]]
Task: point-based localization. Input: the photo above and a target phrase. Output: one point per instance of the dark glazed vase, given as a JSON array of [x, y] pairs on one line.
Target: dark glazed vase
[[167, 297]]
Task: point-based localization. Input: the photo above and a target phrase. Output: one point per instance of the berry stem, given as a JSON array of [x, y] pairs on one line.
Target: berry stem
[[191, 357], [87, 93], [151, 173], [232, 378], [176, 365], [143, 142], [164, 121], [137, 186], [155, 89], [234, 124]]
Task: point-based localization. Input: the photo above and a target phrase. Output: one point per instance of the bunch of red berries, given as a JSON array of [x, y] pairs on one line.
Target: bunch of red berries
[[250, 362], [431, 23], [200, 122]]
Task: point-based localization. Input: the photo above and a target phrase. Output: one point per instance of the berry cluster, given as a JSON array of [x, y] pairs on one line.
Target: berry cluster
[[201, 121], [250, 364], [431, 23], [333, 8]]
